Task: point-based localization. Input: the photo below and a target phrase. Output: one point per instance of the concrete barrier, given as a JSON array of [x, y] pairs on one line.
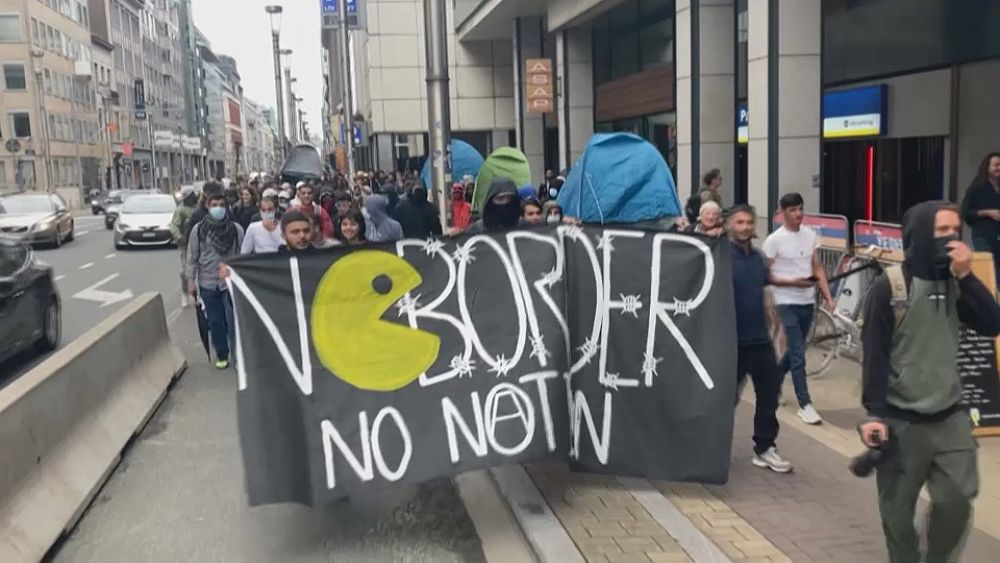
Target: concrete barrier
[[63, 425]]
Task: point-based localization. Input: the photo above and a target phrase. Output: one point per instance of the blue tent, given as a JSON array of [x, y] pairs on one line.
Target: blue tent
[[620, 178], [465, 161]]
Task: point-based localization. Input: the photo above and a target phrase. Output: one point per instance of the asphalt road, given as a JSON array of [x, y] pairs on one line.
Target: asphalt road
[[94, 280]]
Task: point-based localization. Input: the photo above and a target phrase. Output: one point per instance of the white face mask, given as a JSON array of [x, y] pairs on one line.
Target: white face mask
[[553, 219]]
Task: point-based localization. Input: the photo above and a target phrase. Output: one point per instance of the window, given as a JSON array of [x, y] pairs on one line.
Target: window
[[20, 124], [10, 28], [13, 76], [35, 32]]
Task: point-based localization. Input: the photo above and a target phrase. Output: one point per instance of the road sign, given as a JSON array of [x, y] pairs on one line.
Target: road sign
[[12, 146], [139, 95], [331, 14]]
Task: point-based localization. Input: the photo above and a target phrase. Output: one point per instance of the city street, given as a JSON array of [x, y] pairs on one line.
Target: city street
[[94, 280]]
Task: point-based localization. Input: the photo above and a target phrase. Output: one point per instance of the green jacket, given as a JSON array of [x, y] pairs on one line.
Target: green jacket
[[179, 223]]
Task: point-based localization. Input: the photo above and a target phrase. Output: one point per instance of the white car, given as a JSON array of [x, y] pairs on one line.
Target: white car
[[145, 221]]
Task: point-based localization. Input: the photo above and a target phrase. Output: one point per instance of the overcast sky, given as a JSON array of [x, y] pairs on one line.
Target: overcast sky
[[242, 30]]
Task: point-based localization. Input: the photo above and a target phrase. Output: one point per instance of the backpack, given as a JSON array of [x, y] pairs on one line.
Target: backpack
[[900, 294]]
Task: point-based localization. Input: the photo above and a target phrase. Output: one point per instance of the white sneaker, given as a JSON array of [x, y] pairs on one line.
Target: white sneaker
[[809, 415], [771, 460]]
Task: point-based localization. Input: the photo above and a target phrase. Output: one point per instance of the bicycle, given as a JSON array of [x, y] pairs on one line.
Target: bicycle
[[836, 333]]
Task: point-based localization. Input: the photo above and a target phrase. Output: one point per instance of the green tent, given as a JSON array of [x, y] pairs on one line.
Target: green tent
[[505, 162]]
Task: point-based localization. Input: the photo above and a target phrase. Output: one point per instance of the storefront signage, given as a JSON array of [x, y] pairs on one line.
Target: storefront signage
[[166, 140], [887, 237], [191, 143], [139, 95], [742, 123], [859, 112], [540, 89], [832, 230]]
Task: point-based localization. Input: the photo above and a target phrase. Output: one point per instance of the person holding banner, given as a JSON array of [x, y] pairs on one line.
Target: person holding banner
[[297, 230], [795, 273], [912, 390]]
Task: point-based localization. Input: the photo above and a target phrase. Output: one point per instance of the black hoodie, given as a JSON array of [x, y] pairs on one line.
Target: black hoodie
[[497, 217], [977, 309]]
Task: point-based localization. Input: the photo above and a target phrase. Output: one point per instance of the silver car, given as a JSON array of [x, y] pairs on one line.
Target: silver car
[[144, 220], [36, 218]]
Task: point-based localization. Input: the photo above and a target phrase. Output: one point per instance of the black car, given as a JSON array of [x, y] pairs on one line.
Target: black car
[[30, 310]]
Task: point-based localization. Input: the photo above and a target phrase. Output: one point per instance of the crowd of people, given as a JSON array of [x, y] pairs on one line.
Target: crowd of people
[[911, 387]]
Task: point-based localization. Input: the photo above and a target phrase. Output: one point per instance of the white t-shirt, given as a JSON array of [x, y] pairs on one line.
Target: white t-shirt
[[259, 240], [792, 252]]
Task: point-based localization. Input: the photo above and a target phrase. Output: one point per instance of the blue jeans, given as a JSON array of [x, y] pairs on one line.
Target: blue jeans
[[219, 311], [797, 320]]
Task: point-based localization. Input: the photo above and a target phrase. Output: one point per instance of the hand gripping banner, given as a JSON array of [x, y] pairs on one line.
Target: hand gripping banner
[[610, 348]]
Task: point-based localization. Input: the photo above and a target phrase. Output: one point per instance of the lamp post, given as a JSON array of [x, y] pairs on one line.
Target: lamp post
[[274, 12], [36, 65], [345, 76]]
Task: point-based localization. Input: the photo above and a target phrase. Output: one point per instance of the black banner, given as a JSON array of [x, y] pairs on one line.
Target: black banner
[[613, 349], [980, 381]]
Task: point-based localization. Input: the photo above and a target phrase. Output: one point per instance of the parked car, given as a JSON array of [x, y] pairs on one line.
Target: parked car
[[113, 205], [36, 218], [30, 309], [144, 220]]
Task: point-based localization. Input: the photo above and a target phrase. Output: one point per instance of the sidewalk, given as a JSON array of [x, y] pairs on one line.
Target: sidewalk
[[818, 513]]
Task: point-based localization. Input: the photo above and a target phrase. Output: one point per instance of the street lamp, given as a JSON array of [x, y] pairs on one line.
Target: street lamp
[[274, 13], [36, 65]]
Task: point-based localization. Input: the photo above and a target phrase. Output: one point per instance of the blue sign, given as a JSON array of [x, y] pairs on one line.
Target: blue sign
[[333, 6], [858, 112], [357, 135], [742, 123]]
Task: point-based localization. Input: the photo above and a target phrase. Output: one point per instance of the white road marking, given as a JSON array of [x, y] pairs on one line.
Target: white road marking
[[110, 256], [174, 315], [105, 298], [80, 233], [87, 265], [57, 278]]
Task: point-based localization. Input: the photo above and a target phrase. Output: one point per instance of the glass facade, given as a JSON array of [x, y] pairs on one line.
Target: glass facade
[[634, 36], [870, 38]]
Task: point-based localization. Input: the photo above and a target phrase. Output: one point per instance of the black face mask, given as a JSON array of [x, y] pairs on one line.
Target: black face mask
[[942, 262]]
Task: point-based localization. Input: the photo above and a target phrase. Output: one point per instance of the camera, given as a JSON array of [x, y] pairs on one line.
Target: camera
[[863, 464]]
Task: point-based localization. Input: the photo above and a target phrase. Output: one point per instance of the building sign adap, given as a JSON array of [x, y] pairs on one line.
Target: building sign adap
[[540, 90], [858, 112]]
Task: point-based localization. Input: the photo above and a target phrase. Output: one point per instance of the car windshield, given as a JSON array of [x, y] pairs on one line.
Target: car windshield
[[25, 204], [149, 204]]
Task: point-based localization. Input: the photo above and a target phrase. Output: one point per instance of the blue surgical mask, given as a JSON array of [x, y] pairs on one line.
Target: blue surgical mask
[[267, 216], [217, 213], [553, 219]]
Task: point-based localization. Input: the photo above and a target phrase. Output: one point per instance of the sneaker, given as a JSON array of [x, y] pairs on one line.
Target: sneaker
[[222, 364], [809, 415], [771, 460]]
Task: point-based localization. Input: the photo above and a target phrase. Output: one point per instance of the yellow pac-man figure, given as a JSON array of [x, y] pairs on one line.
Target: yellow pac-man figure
[[350, 337]]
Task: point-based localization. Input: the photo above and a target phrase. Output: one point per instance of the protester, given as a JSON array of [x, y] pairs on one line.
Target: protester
[[209, 190], [284, 200], [180, 228], [461, 211], [263, 236], [211, 242], [381, 227], [327, 201], [502, 209], [531, 212], [319, 240], [343, 204], [711, 184], [352, 228], [552, 212], [912, 390], [543, 189], [246, 208], [391, 193], [755, 351], [524, 193], [297, 231], [417, 216], [709, 220], [795, 272], [981, 208], [305, 204]]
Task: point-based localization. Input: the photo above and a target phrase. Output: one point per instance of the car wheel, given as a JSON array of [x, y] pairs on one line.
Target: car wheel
[[58, 240], [95, 211], [108, 225], [51, 327]]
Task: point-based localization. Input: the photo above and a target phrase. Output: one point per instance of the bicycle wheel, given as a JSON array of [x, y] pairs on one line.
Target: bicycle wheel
[[827, 340]]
